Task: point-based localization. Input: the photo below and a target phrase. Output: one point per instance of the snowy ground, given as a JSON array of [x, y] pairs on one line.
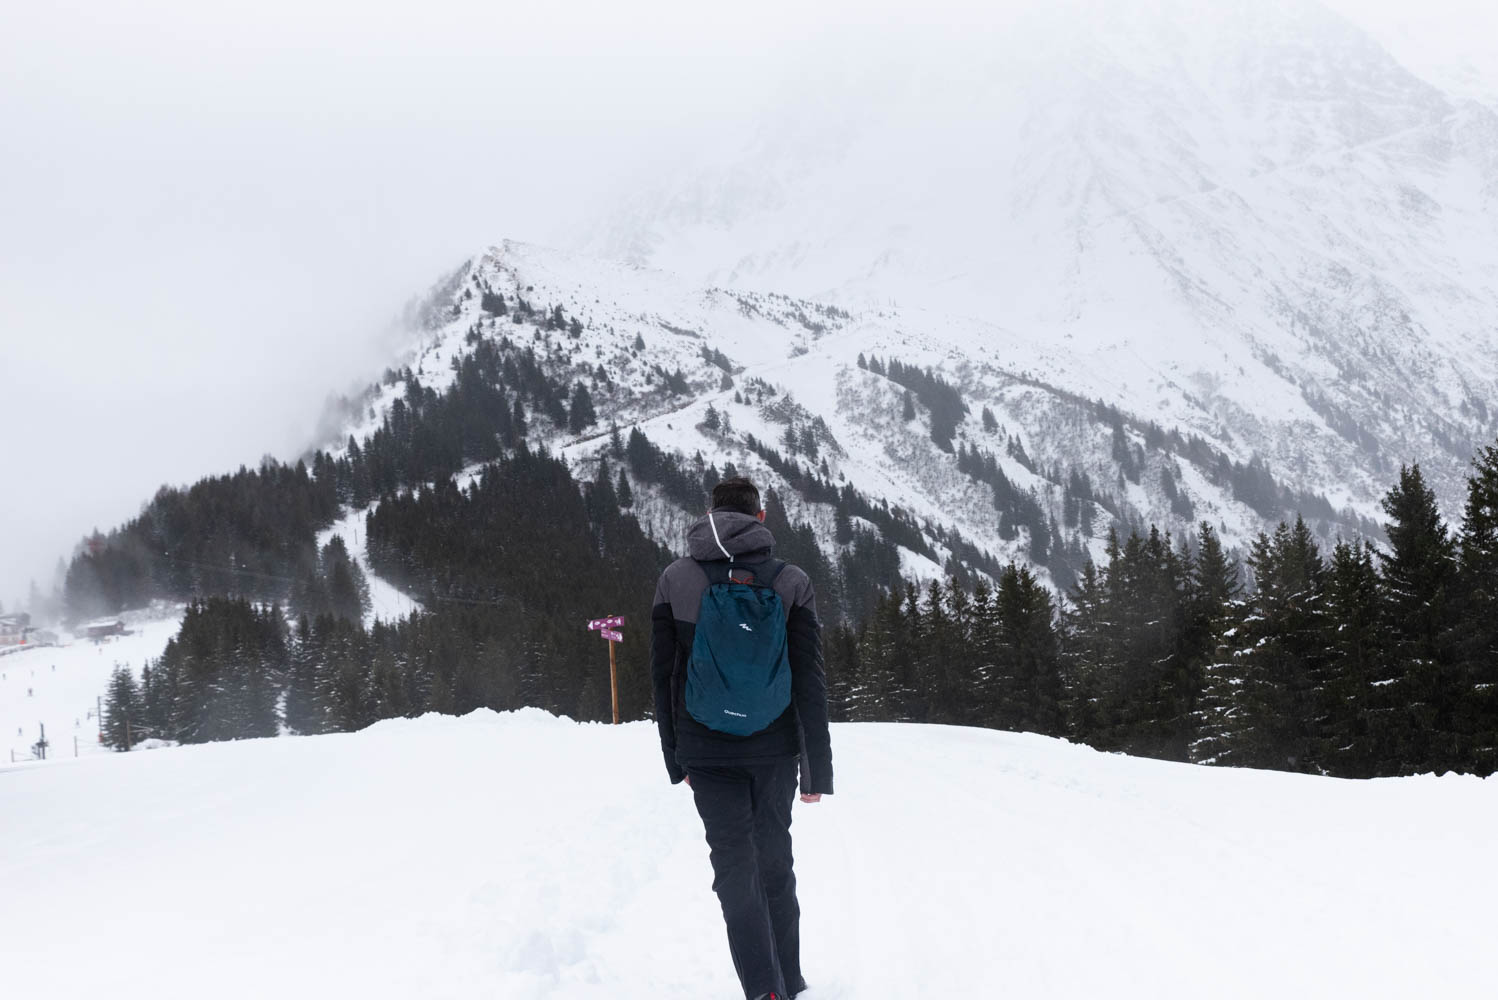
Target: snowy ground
[[58, 685], [523, 856]]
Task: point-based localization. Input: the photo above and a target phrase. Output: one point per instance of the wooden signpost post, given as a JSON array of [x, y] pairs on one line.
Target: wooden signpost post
[[609, 629]]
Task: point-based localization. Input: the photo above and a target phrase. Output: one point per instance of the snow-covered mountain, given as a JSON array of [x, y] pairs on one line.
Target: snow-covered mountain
[[1243, 219], [659, 352], [431, 857]]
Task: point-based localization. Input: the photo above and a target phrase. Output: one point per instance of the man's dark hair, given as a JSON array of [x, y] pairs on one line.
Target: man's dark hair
[[737, 494]]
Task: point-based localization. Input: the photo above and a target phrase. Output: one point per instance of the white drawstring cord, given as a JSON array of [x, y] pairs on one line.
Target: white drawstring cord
[[714, 525]]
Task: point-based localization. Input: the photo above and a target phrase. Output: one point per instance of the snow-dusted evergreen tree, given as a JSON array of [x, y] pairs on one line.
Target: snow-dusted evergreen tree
[[1477, 636], [156, 699], [885, 658], [1027, 658], [302, 713], [1275, 659], [334, 585], [937, 639], [388, 696], [343, 681], [1423, 689], [1216, 584], [1215, 608], [1140, 687], [225, 669], [1087, 654], [581, 414], [982, 701], [123, 712], [842, 664], [1354, 659]]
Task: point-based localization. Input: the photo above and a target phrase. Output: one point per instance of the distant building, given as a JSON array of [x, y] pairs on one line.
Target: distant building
[[13, 629], [101, 629]]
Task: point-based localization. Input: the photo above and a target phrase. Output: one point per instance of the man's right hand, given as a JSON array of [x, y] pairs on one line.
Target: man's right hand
[[813, 797]]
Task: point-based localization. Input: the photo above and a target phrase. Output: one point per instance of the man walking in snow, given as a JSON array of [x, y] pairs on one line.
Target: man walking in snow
[[741, 701]]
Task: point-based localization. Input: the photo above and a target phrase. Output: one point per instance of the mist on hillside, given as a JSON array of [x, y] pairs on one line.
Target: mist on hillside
[[214, 215]]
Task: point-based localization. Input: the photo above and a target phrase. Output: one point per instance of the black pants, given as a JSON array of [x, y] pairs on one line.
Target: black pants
[[746, 810]]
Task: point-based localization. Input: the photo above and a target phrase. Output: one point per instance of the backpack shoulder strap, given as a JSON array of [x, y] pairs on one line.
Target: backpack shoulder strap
[[716, 570], [722, 571], [769, 570]]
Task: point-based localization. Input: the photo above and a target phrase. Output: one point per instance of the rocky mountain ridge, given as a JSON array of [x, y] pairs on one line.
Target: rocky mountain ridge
[[1248, 221]]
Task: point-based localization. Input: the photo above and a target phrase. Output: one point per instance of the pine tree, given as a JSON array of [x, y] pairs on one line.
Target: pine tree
[[1211, 611], [302, 712], [260, 671], [624, 492], [1355, 650], [1476, 638], [1277, 657], [122, 710], [873, 680], [603, 499], [842, 523], [156, 699], [1424, 692], [983, 699], [907, 407], [842, 672], [1027, 653], [807, 443], [935, 644], [1136, 673], [1088, 658], [581, 415], [346, 589]]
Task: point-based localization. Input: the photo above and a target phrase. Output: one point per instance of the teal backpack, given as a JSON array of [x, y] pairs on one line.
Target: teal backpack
[[739, 673]]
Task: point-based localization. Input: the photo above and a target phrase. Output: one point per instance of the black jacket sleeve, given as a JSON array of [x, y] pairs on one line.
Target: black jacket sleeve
[[662, 666], [809, 694]]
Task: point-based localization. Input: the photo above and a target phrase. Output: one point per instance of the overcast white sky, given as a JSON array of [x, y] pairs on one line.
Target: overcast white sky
[[209, 211]]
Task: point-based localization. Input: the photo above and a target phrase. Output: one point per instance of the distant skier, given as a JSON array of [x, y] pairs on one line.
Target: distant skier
[[741, 701]]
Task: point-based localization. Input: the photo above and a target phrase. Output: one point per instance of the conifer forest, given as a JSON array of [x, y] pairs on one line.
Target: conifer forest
[[1351, 659]]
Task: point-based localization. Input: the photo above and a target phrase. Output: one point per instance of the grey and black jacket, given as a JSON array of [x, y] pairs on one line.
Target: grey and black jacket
[[801, 731]]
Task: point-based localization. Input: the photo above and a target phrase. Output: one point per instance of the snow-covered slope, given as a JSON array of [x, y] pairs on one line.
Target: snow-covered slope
[[59, 686], [386, 601], [1233, 212], [523, 856]]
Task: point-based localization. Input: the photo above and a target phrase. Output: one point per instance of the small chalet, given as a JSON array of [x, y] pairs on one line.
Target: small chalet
[[13, 629], [101, 629]]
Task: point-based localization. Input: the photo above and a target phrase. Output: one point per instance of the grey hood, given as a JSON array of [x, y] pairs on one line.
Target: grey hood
[[741, 536]]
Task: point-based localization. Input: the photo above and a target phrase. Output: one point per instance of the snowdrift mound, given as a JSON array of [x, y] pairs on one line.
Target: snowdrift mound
[[521, 856]]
